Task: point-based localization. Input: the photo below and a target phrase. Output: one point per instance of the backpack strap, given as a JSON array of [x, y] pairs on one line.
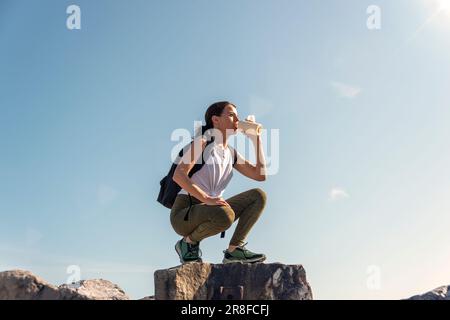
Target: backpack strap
[[234, 156], [197, 167]]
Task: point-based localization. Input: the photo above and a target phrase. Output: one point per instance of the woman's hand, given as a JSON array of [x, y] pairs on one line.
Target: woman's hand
[[215, 201]]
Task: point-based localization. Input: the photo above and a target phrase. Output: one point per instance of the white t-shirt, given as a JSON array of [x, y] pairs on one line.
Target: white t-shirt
[[216, 173]]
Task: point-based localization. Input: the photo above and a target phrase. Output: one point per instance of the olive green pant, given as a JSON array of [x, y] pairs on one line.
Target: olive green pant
[[205, 221]]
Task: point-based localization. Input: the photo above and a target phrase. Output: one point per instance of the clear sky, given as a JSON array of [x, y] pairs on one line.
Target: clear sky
[[361, 197]]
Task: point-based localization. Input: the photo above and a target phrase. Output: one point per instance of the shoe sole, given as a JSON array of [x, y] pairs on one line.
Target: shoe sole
[[178, 250], [225, 260]]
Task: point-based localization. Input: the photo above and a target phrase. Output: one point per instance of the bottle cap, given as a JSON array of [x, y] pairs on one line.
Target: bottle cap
[[251, 118]]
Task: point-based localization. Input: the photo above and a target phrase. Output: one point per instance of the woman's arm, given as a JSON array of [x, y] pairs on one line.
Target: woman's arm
[[181, 175], [258, 171]]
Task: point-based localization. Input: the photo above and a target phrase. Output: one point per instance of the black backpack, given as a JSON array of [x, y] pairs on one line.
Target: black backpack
[[169, 188]]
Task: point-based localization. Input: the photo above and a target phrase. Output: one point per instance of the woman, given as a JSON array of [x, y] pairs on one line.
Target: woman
[[209, 213]]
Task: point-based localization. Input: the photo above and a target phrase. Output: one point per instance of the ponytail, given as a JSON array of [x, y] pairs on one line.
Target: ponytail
[[201, 130]]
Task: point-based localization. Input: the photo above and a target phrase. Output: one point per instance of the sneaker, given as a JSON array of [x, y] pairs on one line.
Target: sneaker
[[242, 255], [188, 252]]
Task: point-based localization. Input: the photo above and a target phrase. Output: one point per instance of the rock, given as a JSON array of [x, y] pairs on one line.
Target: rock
[[98, 289], [441, 293], [148, 298], [259, 281], [23, 285]]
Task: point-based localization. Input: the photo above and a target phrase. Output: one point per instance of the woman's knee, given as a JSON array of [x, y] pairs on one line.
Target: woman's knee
[[260, 195]]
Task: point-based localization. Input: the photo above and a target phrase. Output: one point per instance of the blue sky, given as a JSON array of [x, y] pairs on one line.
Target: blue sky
[[361, 195]]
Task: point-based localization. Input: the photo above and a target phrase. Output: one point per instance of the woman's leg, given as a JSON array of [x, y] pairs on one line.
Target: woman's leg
[[247, 207]]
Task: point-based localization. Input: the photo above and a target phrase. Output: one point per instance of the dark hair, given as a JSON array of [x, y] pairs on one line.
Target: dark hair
[[216, 109]]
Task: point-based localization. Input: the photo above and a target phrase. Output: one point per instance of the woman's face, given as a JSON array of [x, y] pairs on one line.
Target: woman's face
[[228, 120]]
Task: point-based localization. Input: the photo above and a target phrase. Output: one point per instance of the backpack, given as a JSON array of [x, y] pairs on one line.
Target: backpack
[[169, 188]]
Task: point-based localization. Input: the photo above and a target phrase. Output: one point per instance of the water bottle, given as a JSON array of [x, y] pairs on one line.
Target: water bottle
[[249, 126]]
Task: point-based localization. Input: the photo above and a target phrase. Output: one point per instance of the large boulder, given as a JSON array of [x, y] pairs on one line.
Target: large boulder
[[441, 293], [259, 281], [23, 285]]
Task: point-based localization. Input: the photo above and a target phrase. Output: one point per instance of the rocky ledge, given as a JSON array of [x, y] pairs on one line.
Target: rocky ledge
[[260, 281]]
